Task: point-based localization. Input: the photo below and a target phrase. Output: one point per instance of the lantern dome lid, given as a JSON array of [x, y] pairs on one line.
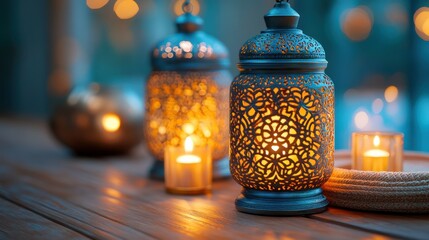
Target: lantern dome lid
[[190, 48], [282, 45]]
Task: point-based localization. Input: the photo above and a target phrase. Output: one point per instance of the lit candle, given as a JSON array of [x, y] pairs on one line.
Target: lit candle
[[189, 172], [376, 159], [188, 169], [377, 151]]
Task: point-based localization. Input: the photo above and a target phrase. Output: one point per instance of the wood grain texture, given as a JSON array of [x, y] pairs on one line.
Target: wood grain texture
[[400, 226], [58, 210], [19, 223], [146, 207], [111, 198]]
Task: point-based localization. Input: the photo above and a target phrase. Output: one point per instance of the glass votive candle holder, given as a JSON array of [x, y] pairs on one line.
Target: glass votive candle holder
[[188, 169], [377, 151]]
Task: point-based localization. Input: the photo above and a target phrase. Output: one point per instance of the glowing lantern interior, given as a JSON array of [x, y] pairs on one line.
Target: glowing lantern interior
[[282, 135], [184, 104]]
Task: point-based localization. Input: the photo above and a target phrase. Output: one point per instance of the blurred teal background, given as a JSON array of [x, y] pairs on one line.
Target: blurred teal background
[[377, 52]]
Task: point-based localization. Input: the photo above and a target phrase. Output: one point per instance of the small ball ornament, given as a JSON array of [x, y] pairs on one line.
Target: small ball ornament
[[99, 120]]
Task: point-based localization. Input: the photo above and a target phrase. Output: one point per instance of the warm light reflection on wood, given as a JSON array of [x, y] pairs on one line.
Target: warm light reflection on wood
[[113, 200], [115, 180], [113, 192], [114, 177]]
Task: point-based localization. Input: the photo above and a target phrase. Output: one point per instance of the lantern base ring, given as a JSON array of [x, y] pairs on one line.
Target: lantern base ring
[[273, 203], [220, 169]]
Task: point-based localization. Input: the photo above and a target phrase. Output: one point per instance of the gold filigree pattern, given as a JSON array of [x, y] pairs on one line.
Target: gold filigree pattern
[[187, 104], [282, 131]]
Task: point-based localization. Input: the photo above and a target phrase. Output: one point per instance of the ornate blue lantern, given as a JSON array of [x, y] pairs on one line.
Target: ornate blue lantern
[[187, 94], [282, 120]]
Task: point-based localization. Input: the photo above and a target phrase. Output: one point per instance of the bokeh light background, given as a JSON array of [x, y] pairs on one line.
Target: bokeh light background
[[378, 53]]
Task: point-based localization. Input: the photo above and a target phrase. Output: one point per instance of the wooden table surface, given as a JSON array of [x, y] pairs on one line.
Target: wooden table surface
[[47, 193]]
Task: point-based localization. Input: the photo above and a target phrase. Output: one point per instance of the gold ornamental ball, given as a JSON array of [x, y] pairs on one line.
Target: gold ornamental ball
[[99, 120]]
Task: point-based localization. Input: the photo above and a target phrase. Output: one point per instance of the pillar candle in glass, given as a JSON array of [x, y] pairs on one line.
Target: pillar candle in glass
[[188, 168], [377, 151]]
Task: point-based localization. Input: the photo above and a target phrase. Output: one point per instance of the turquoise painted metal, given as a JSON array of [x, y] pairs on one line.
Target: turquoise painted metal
[[282, 120]]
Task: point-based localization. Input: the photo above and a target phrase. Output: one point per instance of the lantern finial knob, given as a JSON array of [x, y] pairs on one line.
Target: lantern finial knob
[[282, 16], [189, 23], [187, 7]]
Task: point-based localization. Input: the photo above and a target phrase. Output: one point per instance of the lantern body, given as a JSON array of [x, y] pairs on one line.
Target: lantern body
[[282, 122], [187, 95], [181, 104]]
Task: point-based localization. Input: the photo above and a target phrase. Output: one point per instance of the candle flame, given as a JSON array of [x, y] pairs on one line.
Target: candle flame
[[189, 145], [111, 122], [188, 128], [376, 141]]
